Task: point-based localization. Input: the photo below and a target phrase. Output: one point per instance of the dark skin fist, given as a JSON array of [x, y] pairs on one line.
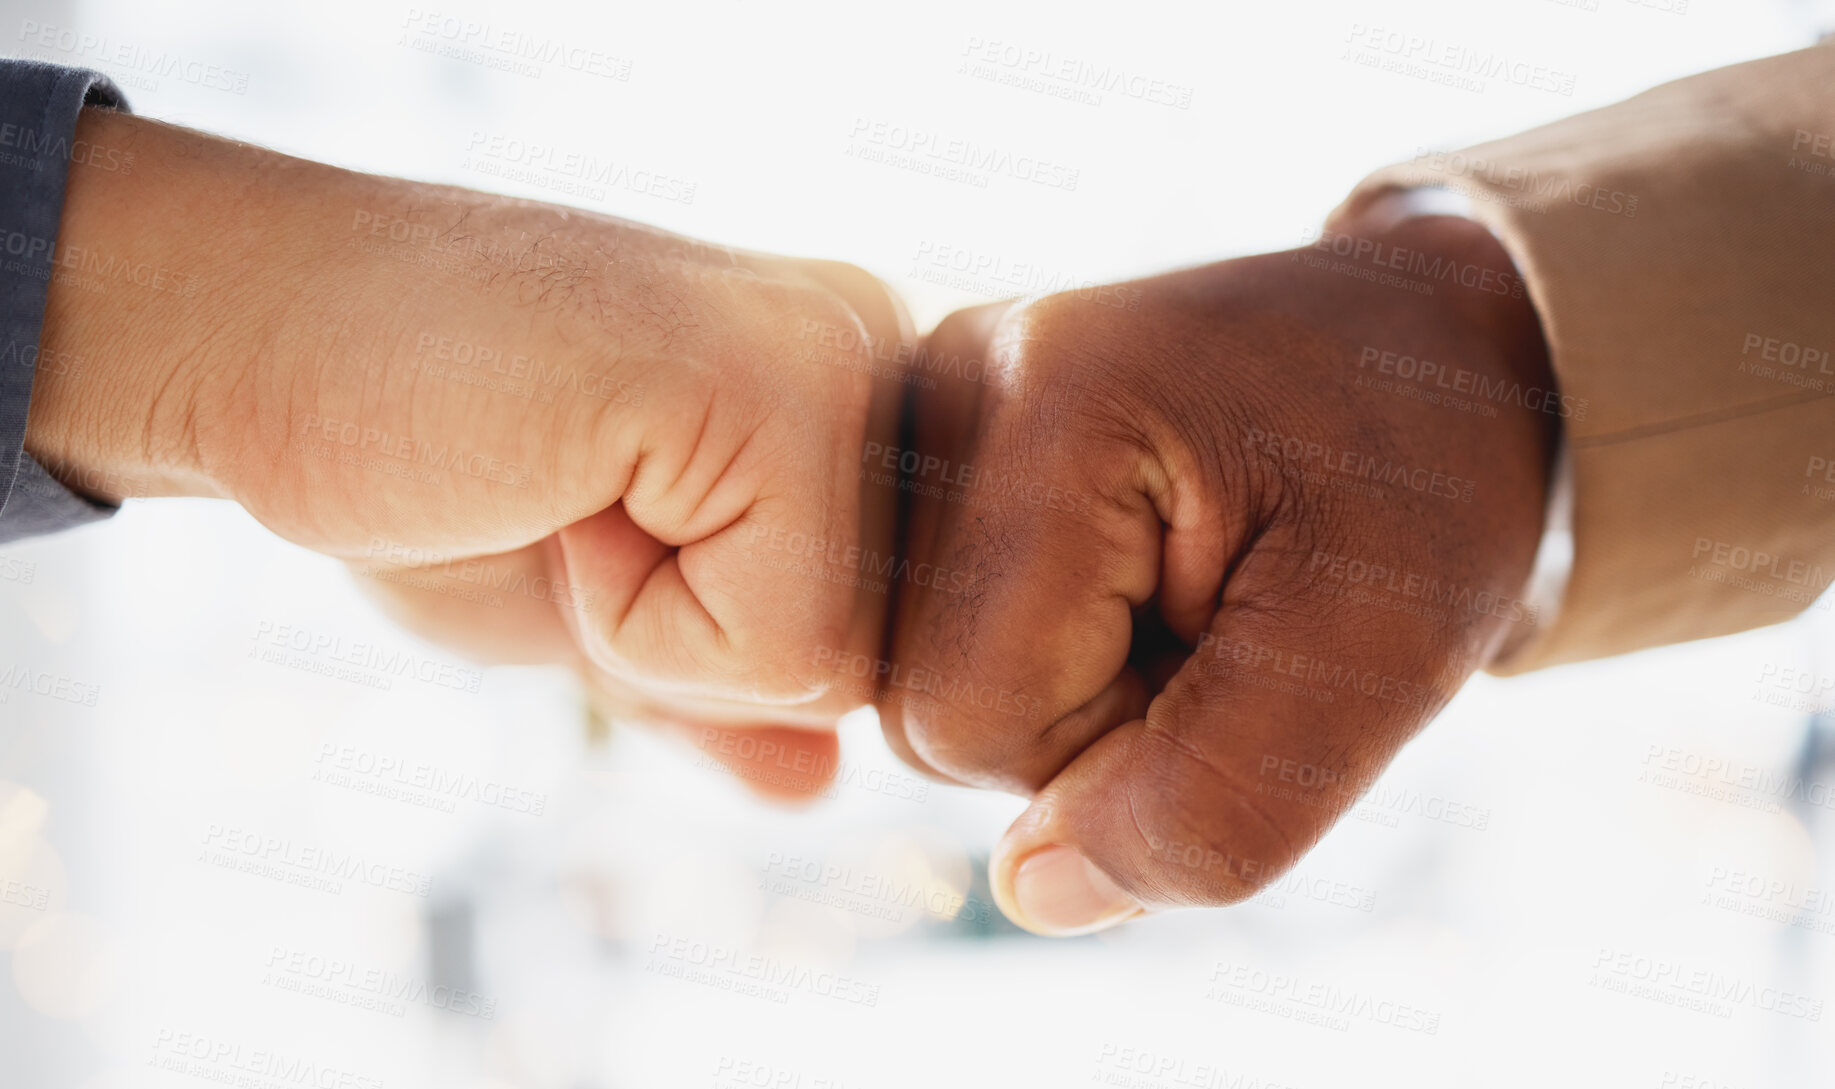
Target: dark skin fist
[[1225, 556]]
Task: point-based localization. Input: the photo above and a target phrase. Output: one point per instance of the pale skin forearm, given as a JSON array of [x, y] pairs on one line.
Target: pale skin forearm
[[212, 286], [162, 274]]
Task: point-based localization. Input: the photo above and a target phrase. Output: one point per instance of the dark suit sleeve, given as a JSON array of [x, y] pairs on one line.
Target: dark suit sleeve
[[38, 110]]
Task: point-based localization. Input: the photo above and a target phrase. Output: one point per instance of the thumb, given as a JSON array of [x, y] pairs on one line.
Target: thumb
[[1271, 729]]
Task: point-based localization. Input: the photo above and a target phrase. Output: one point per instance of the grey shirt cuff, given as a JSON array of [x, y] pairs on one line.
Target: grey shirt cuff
[[39, 104]]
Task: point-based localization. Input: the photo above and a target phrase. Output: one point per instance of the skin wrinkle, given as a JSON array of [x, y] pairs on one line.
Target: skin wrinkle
[[1140, 828], [695, 446], [1229, 793], [721, 636], [1050, 730], [157, 452]]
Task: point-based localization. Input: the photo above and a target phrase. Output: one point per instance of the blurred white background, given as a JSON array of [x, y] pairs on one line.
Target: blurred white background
[[1512, 885]]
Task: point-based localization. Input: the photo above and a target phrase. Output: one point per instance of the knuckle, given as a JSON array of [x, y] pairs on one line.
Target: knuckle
[[1049, 319], [1033, 342], [860, 287], [959, 344], [829, 308], [827, 339], [962, 745], [960, 327], [1078, 370]]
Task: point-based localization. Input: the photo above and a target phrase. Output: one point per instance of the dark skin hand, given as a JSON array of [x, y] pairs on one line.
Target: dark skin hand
[[1227, 557]]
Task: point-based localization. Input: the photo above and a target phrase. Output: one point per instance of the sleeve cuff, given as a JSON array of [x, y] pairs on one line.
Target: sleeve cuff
[[39, 104]]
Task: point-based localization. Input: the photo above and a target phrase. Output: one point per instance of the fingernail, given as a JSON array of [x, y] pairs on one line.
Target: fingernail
[[1060, 893]]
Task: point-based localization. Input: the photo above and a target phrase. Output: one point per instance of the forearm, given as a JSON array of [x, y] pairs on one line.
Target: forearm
[[163, 275], [218, 293]]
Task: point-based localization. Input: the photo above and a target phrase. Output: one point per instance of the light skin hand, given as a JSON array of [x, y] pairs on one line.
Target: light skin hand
[[611, 428], [1229, 556]]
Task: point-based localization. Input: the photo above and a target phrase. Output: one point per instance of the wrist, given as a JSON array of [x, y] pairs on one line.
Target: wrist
[[1479, 290], [1478, 315], [1505, 335], [164, 275]]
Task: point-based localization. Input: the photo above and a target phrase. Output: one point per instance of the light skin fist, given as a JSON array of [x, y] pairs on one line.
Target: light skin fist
[[1226, 560], [547, 435]]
